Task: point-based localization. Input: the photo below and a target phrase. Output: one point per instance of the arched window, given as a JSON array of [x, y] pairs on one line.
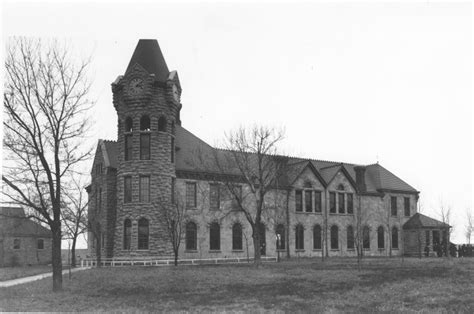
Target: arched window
[[299, 237], [191, 236], [173, 128], [350, 237], [317, 239], [280, 231], [127, 234], [237, 237], [340, 187], [334, 238], [143, 233], [145, 123], [215, 236], [128, 124], [394, 238], [162, 124], [380, 238], [366, 237]]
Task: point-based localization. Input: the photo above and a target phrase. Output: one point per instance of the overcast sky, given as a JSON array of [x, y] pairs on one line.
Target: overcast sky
[[351, 82]]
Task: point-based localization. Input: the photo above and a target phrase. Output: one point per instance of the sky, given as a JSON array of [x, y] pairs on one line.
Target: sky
[[387, 82]]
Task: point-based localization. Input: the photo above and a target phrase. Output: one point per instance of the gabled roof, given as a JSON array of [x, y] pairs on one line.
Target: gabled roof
[[421, 221], [149, 56], [109, 151], [190, 148], [13, 222]]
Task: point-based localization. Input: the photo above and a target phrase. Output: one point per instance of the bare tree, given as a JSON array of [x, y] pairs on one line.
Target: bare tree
[[74, 213], [45, 102], [249, 168], [174, 218], [445, 215], [469, 225]]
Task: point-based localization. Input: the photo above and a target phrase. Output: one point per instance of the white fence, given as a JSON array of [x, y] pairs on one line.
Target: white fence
[[114, 262]]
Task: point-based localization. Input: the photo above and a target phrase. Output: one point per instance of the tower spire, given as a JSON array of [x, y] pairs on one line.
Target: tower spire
[[148, 55]]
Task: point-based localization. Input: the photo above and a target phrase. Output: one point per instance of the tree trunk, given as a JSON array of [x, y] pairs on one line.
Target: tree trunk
[[56, 257], [175, 257], [73, 252], [256, 246], [98, 248]]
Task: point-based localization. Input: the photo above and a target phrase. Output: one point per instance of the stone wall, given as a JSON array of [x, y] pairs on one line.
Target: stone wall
[[27, 254]]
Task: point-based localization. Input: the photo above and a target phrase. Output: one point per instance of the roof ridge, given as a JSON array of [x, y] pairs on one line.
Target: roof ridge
[[332, 166]]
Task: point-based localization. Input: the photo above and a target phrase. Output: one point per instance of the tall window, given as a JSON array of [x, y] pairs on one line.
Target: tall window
[[427, 238], [215, 236], [317, 239], [191, 236], [350, 237], [190, 195], [127, 187], [317, 201], [237, 237], [128, 146], [407, 206], [143, 232], [40, 244], [334, 237], [299, 237], [145, 123], [308, 200], [162, 124], [173, 196], [144, 146], [394, 238], [16, 244], [380, 238], [128, 125], [350, 203], [366, 237], [280, 230], [98, 199], [393, 205], [172, 149], [214, 196], [144, 189], [332, 202], [299, 200], [127, 234], [342, 209]]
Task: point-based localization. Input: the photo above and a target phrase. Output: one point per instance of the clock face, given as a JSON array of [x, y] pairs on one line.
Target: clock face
[[135, 86], [175, 93]]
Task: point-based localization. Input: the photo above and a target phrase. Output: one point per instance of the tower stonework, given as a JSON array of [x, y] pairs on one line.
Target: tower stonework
[[146, 99]]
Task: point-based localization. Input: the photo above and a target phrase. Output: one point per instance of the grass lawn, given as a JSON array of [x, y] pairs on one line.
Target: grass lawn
[[8, 273], [298, 285]]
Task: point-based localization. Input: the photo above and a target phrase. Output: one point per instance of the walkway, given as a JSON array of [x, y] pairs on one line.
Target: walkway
[[18, 281]]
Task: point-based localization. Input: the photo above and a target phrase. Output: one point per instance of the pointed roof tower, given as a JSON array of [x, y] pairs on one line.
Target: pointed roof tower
[[148, 55]]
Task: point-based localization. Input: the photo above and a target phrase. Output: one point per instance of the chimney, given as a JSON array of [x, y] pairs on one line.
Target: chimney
[[360, 178]]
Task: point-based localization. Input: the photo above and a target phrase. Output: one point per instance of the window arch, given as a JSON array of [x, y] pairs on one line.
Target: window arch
[[380, 237], [317, 239], [299, 237], [280, 230], [237, 237], [191, 236], [334, 237], [350, 237], [143, 234], [145, 123], [340, 187], [366, 237], [162, 124], [128, 124], [214, 236], [394, 238], [127, 234]]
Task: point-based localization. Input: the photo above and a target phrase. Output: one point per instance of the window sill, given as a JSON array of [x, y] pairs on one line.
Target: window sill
[[191, 208], [395, 249], [317, 213], [143, 250], [299, 250], [281, 250], [237, 251], [350, 249], [190, 251], [334, 250], [317, 250], [215, 251]]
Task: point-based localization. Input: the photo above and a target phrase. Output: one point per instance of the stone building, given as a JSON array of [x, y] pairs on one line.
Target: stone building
[[22, 241], [317, 207]]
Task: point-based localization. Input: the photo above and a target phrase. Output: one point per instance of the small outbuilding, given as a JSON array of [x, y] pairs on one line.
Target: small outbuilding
[[425, 236], [22, 241]]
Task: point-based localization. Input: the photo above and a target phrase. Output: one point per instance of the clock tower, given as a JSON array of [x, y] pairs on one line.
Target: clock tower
[[147, 101]]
